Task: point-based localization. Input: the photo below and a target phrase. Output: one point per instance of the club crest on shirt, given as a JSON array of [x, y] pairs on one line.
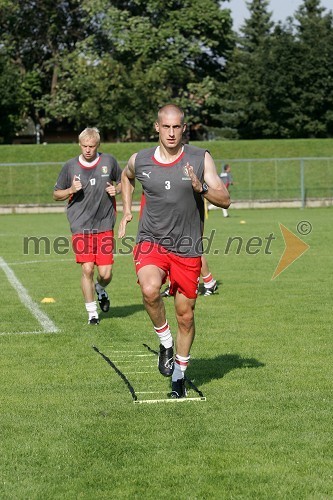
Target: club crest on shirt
[[104, 171], [185, 172]]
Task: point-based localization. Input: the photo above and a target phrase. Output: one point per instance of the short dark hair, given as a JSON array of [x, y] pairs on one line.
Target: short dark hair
[[170, 107]]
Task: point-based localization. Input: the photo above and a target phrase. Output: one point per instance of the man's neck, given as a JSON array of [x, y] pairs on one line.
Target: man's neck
[[90, 163], [168, 155]]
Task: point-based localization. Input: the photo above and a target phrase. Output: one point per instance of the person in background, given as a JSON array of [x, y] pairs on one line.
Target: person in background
[[228, 181], [175, 179], [90, 183], [209, 282]]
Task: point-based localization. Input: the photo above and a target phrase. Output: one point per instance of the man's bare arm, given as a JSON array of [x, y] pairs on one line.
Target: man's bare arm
[[127, 188], [63, 194], [217, 193]]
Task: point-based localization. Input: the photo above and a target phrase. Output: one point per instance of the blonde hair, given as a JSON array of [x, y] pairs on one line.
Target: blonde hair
[[92, 133]]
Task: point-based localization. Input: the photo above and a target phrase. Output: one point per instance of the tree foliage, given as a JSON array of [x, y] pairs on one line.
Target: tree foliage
[[72, 63], [114, 63], [280, 77], [314, 40], [247, 92]]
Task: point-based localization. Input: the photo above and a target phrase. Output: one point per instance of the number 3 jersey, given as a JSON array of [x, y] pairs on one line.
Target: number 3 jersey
[[173, 214], [90, 210]]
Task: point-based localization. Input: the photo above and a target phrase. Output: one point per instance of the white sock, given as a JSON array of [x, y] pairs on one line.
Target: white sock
[[164, 335], [91, 308], [225, 212], [208, 280], [179, 367]]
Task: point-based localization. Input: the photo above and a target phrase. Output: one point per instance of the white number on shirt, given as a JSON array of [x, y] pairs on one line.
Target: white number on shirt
[[167, 185]]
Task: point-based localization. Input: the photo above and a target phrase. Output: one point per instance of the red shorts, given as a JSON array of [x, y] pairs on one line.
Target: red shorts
[[94, 247], [184, 272]]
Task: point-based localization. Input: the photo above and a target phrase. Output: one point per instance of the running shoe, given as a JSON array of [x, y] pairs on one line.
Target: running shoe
[[166, 292], [212, 289], [178, 389], [93, 321], [165, 361], [103, 300]]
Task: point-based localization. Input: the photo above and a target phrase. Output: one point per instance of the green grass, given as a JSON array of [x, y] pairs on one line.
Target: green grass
[[284, 148], [262, 357], [274, 179]]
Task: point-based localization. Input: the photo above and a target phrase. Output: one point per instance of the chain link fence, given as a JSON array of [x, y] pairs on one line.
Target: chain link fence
[[281, 179], [270, 179]]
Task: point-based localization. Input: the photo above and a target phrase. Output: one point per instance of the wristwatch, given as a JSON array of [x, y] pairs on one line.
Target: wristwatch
[[204, 188]]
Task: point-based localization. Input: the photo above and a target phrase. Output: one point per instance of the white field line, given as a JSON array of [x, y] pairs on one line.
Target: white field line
[[125, 352], [133, 356], [45, 322], [171, 400], [123, 360], [130, 364], [141, 367], [34, 332], [139, 373], [48, 261], [38, 261], [137, 352], [149, 392]]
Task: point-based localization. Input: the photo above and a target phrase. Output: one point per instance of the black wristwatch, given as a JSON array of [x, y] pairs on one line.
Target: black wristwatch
[[204, 188]]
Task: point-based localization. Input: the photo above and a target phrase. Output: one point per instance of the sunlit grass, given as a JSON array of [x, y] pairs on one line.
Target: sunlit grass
[[262, 357]]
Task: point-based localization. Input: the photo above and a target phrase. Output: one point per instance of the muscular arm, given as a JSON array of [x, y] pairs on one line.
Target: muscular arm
[[217, 193], [127, 188]]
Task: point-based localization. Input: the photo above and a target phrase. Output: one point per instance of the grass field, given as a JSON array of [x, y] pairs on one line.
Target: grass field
[[275, 179], [274, 148], [262, 358]]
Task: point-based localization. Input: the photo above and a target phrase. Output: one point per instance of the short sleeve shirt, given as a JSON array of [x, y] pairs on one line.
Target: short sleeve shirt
[[90, 210]]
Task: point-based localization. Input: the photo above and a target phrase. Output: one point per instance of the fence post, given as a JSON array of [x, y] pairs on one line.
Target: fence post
[[302, 183], [250, 180], [276, 180]]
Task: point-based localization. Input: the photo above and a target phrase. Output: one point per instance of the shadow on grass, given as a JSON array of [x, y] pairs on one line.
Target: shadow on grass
[[205, 370], [122, 311]]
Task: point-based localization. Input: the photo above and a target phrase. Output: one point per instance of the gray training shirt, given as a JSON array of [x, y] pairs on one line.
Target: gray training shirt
[[173, 215], [90, 210]]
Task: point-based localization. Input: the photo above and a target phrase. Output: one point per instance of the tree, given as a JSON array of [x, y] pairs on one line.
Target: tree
[[247, 92], [314, 36], [9, 100], [139, 55], [35, 35], [114, 63], [281, 80], [283, 70]]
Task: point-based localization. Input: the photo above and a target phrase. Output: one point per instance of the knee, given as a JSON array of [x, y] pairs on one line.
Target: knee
[[185, 318], [105, 274], [150, 292], [88, 270]]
